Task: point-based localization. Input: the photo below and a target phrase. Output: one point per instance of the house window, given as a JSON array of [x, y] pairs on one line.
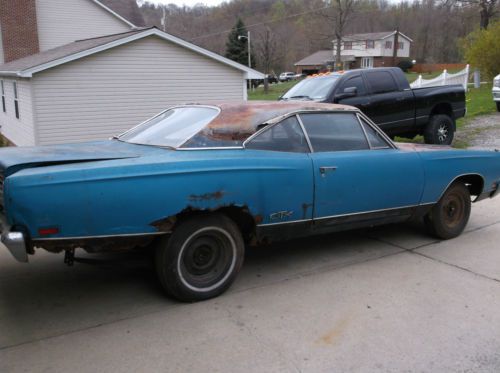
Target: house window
[[370, 44], [388, 44], [3, 97], [16, 101], [347, 45], [401, 45]]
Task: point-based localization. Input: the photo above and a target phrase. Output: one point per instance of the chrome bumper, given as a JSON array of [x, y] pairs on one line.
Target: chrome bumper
[[14, 241]]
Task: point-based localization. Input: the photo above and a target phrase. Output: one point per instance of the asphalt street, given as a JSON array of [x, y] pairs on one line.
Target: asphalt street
[[387, 299]]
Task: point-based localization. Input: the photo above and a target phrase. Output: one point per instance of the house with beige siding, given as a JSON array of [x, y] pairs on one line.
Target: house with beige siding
[[95, 88], [80, 70]]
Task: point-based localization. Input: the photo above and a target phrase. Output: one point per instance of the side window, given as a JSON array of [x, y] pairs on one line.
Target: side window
[[381, 81], [286, 136], [16, 101], [355, 81], [330, 132], [375, 139], [3, 97]]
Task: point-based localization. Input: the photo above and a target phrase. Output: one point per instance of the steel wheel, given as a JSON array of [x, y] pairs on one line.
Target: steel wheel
[[448, 218], [201, 258]]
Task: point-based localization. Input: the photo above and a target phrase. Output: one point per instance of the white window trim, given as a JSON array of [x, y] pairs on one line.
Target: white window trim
[[16, 100], [4, 104]]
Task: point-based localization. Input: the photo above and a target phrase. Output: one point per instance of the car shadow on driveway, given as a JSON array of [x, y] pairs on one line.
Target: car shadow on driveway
[[46, 298]]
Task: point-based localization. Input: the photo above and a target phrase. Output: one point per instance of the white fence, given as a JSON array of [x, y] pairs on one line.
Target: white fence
[[462, 77]]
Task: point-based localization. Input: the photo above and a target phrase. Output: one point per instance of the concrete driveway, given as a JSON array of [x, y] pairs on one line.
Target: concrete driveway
[[389, 299]]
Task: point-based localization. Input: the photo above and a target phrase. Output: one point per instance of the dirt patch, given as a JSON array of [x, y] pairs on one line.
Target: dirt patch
[[481, 132]]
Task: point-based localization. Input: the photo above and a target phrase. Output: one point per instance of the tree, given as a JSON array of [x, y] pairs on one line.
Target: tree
[[339, 13], [487, 9], [482, 49], [237, 44], [267, 48]]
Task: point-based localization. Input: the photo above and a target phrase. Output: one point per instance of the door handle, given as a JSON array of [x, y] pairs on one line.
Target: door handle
[[324, 169]]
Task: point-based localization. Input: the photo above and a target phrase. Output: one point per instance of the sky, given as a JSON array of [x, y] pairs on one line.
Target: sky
[[188, 2]]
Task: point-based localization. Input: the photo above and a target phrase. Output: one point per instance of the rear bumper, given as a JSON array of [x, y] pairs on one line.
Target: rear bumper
[[15, 242]]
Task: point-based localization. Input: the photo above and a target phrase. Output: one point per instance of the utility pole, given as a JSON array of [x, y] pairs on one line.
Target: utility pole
[[395, 47]]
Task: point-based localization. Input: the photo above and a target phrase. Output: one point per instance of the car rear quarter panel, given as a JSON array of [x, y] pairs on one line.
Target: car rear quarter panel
[[135, 195], [443, 167]]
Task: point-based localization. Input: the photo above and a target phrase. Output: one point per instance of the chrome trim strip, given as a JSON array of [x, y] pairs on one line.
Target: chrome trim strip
[[98, 237], [377, 129], [285, 222], [213, 148], [365, 212], [311, 149], [350, 214]]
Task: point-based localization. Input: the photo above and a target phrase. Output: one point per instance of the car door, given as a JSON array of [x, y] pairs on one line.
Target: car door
[[361, 100], [357, 171], [391, 107], [283, 173]]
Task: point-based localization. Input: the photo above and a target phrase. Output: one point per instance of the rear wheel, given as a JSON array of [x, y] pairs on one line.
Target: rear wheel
[[450, 215], [201, 258], [439, 130]]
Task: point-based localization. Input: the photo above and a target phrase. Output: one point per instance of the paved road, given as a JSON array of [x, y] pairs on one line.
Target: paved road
[[383, 300]]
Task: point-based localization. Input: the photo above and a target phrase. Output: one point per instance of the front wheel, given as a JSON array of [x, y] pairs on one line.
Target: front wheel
[[450, 215], [439, 130], [201, 259]]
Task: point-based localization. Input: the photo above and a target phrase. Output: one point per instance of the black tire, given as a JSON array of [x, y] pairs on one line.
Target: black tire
[[450, 215], [498, 105], [439, 130], [201, 259]]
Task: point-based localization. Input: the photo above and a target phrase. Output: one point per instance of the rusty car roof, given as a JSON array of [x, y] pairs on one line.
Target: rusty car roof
[[238, 120]]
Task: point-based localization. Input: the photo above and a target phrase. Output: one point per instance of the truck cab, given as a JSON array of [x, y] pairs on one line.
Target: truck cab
[[385, 96]]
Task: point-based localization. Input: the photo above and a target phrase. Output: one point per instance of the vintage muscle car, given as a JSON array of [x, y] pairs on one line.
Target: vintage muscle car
[[197, 183]]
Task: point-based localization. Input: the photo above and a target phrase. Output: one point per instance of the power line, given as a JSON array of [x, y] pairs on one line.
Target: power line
[[263, 23]]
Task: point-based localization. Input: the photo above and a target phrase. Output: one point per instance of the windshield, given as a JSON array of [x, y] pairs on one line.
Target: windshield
[[172, 128], [316, 89]]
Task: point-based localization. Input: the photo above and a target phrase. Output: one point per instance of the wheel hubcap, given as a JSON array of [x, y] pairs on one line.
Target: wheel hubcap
[[206, 259]]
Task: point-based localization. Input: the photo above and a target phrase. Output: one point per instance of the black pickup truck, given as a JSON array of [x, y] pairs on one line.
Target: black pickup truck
[[386, 97]]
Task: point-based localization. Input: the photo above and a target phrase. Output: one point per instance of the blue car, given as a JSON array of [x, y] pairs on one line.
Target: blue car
[[198, 183]]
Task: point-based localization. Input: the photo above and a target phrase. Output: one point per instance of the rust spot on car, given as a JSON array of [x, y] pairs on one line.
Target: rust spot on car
[[305, 208], [258, 219], [239, 120], [207, 196]]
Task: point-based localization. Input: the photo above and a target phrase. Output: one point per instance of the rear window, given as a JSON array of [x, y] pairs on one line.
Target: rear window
[[172, 128], [381, 81]]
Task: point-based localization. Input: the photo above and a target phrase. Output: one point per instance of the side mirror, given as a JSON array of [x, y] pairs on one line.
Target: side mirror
[[348, 92]]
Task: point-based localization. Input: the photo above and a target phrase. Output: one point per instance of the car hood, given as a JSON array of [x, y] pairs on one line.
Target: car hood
[[13, 159]]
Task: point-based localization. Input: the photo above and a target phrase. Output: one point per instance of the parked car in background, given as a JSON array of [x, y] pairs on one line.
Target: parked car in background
[[386, 97], [272, 79], [299, 76], [496, 91], [286, 76], [197, 183]]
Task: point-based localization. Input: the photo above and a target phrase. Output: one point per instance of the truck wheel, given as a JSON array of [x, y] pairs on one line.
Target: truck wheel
[[498, 105], [201, 259], [450, 215], [439, 130]]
